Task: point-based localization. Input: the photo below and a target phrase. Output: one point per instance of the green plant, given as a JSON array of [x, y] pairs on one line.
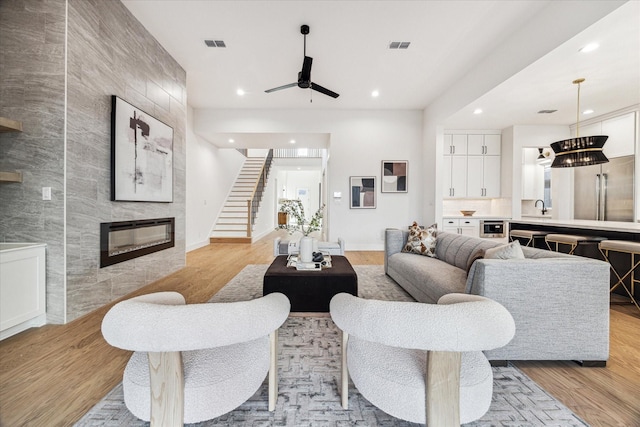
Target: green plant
[[295, 210]]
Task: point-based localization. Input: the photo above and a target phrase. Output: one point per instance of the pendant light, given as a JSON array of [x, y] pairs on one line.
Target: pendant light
[[579, 151]]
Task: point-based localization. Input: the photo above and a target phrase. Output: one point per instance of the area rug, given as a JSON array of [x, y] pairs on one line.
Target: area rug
[[309, 375]]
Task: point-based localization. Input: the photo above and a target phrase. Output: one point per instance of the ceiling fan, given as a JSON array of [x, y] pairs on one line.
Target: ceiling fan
[[304, 76]]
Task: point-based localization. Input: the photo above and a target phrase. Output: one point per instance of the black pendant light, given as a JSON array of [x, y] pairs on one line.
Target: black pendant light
[[579, 151]]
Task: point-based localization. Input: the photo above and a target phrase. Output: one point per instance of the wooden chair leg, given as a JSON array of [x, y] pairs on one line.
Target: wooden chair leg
[[344, 374], [273, 370], [443, 388], [167, 389]]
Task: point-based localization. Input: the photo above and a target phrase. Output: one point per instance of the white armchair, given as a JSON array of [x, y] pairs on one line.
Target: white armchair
[[195, 362], [422, 362]]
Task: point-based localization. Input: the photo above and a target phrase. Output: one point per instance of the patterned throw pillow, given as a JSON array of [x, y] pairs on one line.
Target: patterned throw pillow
[[422, 241]]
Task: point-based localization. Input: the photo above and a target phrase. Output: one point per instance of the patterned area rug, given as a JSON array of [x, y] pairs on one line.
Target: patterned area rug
[[309, 374]]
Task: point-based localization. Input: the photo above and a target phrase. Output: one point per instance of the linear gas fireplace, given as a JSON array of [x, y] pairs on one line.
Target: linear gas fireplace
[[125, 240]]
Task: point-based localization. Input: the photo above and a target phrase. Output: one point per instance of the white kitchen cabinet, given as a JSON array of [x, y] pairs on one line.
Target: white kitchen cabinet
[[22, 287], [589, 130], [472, 171], [622, 136], [621, 131], [455, 144], [532, 175], [480, 145], [455, 176], [464, 226], [483, 176]]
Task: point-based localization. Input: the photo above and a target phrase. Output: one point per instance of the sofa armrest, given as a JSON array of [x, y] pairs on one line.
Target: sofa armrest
[[276, 246], [560, 306], [394, 241]]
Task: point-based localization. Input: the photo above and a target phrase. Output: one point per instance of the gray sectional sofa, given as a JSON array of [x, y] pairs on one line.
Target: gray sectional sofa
[[560, 302]]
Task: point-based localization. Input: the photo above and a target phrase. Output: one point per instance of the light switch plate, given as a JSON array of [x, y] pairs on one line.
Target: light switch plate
[[46, 193]]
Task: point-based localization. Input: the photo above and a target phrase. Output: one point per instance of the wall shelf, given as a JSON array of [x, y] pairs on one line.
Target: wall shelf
[[8, 125], [10, 177]]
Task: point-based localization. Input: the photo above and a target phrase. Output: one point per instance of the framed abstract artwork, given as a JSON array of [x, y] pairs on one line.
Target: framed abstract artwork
[[363, 192], [141, 155], [394, 176]]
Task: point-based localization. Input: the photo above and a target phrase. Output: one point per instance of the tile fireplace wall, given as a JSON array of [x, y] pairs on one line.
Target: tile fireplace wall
[[66, 146]]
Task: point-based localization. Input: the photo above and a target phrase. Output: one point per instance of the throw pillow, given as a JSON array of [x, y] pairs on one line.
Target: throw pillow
[[476, 255], [510, 251], [421, 241]]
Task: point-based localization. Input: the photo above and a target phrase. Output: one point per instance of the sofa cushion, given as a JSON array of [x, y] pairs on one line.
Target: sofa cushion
[[426, 279], [421, 241], [456, 249], [509, 251]]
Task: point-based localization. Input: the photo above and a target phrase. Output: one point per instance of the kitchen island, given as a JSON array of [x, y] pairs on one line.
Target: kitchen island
[[612, 230]]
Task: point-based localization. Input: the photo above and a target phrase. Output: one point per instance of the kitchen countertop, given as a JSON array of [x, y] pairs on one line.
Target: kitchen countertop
[[8, 247], [504, 218], [629, 227]]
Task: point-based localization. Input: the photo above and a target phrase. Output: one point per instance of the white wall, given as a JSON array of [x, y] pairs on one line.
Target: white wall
[[211, 172], [360, 140]]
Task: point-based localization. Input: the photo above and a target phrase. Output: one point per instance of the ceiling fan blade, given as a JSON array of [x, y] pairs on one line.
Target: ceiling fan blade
[[324, 90], [305, 75], [281, 87]]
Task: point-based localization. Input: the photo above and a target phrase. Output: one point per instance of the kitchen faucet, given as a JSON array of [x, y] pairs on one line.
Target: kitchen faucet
[[544, 210]]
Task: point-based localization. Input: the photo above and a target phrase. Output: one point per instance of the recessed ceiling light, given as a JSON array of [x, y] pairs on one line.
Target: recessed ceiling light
[[589, 111], [375, 94], [293, 141], [477, 111], [240, 92], [231, 141], [589, 48]]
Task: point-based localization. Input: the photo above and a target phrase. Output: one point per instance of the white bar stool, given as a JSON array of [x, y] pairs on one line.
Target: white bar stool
[[626, 247], [530, 235], [571, 240]]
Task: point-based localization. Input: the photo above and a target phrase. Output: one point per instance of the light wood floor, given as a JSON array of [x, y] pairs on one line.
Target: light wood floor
[[51, 376]]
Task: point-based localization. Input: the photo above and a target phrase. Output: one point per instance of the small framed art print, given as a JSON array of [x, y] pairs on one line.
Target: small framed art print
[[394, 176], [363, 192]]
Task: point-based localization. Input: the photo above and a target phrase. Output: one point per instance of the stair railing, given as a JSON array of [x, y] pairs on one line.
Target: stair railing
[[256, 196]]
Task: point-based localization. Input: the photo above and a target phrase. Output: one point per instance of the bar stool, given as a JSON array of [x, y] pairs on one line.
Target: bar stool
[[530, 235], [626, 247], [571, 240]]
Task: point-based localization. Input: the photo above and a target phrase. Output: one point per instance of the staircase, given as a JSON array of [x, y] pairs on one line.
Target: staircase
[[232, 225]]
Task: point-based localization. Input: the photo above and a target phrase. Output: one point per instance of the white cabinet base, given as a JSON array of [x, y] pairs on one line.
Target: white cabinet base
[[22, 287]]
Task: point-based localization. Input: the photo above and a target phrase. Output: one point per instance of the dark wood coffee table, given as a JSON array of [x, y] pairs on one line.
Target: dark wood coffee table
[[310, 291]]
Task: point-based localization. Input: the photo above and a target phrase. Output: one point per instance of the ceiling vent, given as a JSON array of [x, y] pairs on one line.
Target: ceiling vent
[[399, 45], [215, 43], [546, 111]]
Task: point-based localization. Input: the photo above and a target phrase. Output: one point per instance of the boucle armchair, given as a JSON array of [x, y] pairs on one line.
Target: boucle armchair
[[422, 362], [195, 362]]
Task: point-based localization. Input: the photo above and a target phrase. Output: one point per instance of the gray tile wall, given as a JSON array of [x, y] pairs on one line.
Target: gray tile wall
[[32, 91], [109, 53]]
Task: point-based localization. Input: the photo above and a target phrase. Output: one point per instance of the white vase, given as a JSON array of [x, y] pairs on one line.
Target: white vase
[[306, 249]]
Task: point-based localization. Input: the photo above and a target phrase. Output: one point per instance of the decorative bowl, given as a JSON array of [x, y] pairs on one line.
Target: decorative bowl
[[467, 213]]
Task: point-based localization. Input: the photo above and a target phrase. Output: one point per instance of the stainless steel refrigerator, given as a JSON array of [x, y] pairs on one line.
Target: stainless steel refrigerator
[[605, 192]]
